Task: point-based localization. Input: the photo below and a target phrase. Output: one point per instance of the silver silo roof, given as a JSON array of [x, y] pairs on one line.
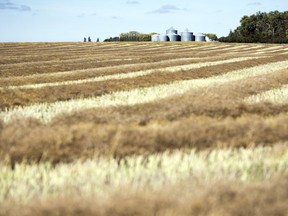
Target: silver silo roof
[[171, 30], [200, 37], [186, 35]]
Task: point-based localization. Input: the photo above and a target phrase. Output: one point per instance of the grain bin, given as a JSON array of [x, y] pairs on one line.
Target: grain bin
[[171, 31], [187, 36], [200, 37], [163, 38], [174, 37], [155, 38]]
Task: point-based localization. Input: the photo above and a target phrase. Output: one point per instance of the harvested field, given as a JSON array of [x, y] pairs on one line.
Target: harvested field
[[143, 129]]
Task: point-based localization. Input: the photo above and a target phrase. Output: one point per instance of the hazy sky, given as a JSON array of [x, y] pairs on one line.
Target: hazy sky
[[71, 20]]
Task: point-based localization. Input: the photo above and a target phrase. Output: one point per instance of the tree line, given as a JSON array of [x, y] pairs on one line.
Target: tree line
[[261, 27], [131, 36]]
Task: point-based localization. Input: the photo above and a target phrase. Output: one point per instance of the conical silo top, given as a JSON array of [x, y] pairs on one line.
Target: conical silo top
[[171, 29], [168, 31]]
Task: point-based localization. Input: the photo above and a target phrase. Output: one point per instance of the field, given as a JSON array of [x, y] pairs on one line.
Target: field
[[143, 129]]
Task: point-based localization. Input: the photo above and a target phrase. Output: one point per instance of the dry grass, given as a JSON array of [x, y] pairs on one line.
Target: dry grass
[[276, 95], [103, 71], [18, 63], [215, 100], [12, 97], [175, 108], [33, 141], [219, 199]]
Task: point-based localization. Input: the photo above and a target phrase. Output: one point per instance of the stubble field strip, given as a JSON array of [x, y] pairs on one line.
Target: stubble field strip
[[270, 51], [97, 176], [59, 93], [88, 73], [69, 140], [276, 96], [46, 111], [79, 135], [177, 68], [223, 47], [169, 48], [33, 68], [181, 48], [140, 51], [253, 48], [217, 47], [211, 46], [17, 78], [221, 198], [137, 59], [115, 47], [237, 91], [7, 72], [259, 51], [52, 56], [218, 101], [63, 55]]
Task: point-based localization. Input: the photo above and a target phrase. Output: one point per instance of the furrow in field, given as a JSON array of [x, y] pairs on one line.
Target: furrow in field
[[34, 68], [238, 50], [46, 111], [59, 93], [28, 68], [136, 74], [62, 54], [259, 50], [216, 101], [107, 70], [270, 50]]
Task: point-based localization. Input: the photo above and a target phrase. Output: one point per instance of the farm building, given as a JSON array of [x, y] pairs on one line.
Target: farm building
[[172, 35]]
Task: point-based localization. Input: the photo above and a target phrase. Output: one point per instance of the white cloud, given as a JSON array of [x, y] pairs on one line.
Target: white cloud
[[255, 4], [166, 9], [8, 5], [131, 2]]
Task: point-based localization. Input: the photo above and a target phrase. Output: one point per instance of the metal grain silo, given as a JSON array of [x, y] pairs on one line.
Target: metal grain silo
[[163, 38], [187, 36], [171, 31], [174, 37], [155, 38], [200, 37]]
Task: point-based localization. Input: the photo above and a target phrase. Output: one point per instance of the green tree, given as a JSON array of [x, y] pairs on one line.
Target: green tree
[[112, 39], [135, 36], [212, 36], [261, 27]]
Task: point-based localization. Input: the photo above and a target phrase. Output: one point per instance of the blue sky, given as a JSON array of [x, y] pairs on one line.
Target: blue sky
[[71, 20]]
